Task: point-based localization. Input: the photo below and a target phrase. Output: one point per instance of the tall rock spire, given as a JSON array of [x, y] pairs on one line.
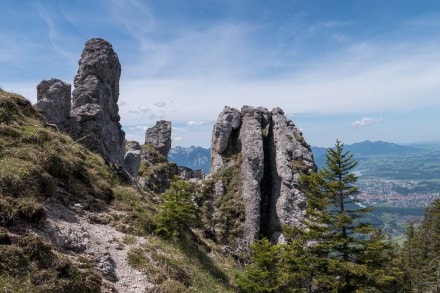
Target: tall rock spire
[[94, 101], [272, 155]]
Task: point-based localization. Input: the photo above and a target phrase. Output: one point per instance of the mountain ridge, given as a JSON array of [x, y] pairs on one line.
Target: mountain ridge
[[196, 157]]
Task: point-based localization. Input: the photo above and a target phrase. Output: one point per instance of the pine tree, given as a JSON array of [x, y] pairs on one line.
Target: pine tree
[[344, 253], [178, 211], [264, 273], [421, 252]]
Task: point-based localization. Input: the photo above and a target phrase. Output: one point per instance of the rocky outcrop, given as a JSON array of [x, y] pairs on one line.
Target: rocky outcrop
[[290, 157], [132, 158], [271, 154], [94, 101], [188, 173], [53, 101], [224, 137], [92, 118], [155, 172], [159, 136]]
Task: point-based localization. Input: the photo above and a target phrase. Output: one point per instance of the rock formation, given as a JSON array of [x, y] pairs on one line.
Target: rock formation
[[159, 136], [93, 117], [132, 158], [272, 155], [53, 101], [94, 101], [224, 136]]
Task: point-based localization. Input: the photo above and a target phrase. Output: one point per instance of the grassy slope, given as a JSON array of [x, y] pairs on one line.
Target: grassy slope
[[38, 164]]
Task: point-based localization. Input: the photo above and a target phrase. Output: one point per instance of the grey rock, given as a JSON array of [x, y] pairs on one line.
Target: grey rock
[[188, 173], [132, 162], [273, 155], [107, 266], [224, 136], [77, 240], [290, 157], [53, 101], [132, 158], [132, 145], [94, 101], [252, 168], [159, 136]]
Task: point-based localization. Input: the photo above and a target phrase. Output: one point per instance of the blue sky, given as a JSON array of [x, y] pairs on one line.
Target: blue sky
[[353, 70]]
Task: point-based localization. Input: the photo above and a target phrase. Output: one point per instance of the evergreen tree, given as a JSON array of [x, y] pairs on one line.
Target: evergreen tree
[[345, 253], [178, 211], [335, 251], [421, 252], [264, 273]]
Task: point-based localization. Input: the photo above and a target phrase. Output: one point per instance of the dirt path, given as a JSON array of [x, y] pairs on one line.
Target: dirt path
[[71, 230]]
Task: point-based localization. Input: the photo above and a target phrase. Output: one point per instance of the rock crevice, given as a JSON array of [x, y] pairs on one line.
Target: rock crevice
[[271, 148]]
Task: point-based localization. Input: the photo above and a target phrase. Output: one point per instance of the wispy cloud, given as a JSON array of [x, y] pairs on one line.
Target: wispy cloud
[[55, 37], [366, 121], [196, 123], [146, 111]]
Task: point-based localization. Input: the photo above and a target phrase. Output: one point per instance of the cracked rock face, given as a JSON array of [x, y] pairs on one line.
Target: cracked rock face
[[223, 135], [159, 136], [94, 101], [91, 116], [273, 156], [53, 100]]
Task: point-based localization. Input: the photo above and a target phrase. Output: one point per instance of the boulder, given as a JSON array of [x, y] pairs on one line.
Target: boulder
[[132, 158], [159, 136], [53, 101]]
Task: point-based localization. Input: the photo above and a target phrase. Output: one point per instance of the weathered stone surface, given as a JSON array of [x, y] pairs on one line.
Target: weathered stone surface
[[94, 101], [223, 136], [252, 168], [159, 136], [53, 101], [290, 157], [273, 155], [132, 158]]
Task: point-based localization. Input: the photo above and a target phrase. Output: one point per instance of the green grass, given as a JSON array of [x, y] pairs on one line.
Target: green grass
[[35, 162], [38, 164], [181, 264]]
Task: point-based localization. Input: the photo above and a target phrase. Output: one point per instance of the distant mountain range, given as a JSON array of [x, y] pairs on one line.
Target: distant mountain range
[[199, 158], [366, 149], [192, 157]]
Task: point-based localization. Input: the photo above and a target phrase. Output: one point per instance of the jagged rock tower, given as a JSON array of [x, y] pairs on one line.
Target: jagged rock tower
[[273, 155], [93, 117], [94, 100]]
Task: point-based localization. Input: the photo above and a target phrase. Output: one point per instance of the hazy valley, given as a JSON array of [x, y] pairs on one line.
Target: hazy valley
[[398, 181]]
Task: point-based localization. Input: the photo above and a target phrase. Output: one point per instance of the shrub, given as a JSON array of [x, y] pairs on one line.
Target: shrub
[[178, 211]]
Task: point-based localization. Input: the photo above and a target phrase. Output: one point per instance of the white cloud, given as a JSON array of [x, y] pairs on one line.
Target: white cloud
[[147, 112], [195, 123], [366, 121]]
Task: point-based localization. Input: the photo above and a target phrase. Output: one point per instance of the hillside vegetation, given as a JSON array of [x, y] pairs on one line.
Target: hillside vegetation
[[46, 178], [70, 222]]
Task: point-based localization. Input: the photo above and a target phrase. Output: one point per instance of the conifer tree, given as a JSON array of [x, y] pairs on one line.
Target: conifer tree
[[263, 274], [178, 211], [421, 252], [345, 253], [335, 250]]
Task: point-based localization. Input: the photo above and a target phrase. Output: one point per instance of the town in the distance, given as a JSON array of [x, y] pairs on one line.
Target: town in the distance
[[397, 181]]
